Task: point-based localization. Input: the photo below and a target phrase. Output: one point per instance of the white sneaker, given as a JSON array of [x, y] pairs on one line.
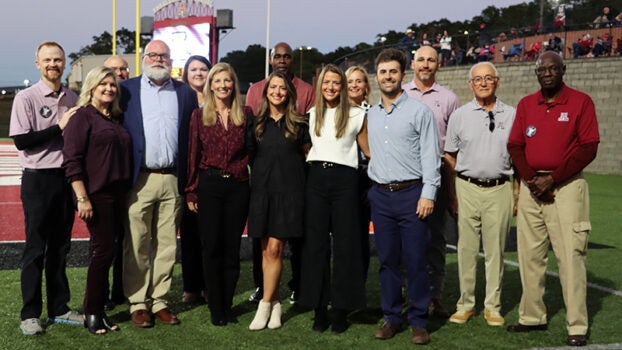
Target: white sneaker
[[32, 326], [71, 317]]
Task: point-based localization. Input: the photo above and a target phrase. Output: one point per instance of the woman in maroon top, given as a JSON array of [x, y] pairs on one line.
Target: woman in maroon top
[[218, 187], [97, 163]]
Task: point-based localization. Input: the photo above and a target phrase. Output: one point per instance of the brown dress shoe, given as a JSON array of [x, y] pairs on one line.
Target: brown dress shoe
[[141, 318], [420, 336], [387, 331], [576, 340], [522, 328], [438, 310], [166, 316]]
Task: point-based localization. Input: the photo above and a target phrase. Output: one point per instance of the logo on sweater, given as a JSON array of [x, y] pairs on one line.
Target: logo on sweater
[[531, 131], [45, 111], [563, 117]]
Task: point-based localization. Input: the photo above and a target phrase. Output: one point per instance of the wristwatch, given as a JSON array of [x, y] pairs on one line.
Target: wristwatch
[[82, 199]]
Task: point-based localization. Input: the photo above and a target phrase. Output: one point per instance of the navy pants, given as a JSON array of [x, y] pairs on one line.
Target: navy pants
[[399, 233]]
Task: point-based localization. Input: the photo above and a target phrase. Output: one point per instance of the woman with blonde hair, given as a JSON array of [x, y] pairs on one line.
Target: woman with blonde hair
[[276, 212], [331, 210], [218, 188], [358, 95], [97, 163]]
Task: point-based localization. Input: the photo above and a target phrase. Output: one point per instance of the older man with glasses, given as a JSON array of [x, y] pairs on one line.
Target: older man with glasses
[[481, 192], [157, 113]]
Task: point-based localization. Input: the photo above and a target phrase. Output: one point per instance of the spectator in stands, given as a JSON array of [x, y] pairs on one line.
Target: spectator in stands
[[515, 52], [559, 22], [38, 117], [445, 48], [618, 20], [95, 140], [606, 19], [408, 44], [583, 46], [195, 75], [602, 46], [555, 43], [423, 41]]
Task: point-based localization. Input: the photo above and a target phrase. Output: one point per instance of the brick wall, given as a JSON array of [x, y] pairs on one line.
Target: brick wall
[[600, 78]]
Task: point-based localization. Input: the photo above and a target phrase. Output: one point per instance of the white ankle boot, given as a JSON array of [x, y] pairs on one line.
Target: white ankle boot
[[262, 316], [275, 316]]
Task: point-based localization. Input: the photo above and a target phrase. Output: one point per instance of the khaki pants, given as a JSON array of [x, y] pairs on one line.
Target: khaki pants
[[151, 242], [566, 225], [484, 212]]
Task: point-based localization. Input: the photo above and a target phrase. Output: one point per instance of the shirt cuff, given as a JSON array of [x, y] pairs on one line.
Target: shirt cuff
[[428, 191]]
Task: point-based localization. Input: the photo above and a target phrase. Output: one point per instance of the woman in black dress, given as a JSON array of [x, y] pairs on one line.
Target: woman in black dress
[[277, 187]]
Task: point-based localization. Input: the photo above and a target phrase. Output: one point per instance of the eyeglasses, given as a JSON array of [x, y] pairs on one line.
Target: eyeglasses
[[552, 69], [489, 79], [162, 56], [491, 125]]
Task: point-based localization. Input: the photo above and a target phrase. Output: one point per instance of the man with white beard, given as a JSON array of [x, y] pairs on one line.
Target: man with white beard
[[157, 115]]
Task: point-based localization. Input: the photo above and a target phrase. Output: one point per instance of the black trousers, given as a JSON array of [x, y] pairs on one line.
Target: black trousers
[[364, 217], [109, 212], [116, 293], [191, 260], [223, 209], [332, 211], [48, 216]]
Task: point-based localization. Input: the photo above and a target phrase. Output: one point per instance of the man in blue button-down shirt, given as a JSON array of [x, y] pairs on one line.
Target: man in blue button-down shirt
[[405, 170]]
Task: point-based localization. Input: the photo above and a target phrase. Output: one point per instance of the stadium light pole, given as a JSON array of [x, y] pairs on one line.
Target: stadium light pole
[[301, 49], [267, 36], [114, 27], [137, 39]]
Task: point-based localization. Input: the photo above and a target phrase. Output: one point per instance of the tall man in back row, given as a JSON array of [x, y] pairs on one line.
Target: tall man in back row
[[442, 102], [39, 115], [281, 59], [554, 137]]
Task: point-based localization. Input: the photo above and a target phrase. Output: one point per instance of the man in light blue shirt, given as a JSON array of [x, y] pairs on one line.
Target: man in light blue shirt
[[405, 170]]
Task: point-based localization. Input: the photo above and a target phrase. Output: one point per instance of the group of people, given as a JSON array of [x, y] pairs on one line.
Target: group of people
[[143, 158]]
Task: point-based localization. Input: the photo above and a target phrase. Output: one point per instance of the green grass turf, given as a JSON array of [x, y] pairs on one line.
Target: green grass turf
[[196, 332]]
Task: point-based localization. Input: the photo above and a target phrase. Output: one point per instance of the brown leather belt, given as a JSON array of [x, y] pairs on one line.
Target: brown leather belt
[[484, 182], [397, 186], [163, 171]]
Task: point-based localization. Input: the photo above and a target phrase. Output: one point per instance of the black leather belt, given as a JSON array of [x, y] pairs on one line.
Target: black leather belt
[[217, 172], [484, 182], [326, 165], [397, 186], [164, 171], [45, 171]]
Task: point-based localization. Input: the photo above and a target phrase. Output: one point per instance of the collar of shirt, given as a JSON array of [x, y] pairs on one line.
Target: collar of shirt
[[168, 85], [498, 108], [395, 104], [412, 86], [560, 100]]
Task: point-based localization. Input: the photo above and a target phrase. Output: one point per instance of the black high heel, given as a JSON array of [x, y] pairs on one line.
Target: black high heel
[[95, 324], [111, 326]]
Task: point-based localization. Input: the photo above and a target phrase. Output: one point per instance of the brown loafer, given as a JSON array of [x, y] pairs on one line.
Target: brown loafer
[[420, 336], [576, 340], [167, 317], [387, 331], [522, 328], [141, 318]]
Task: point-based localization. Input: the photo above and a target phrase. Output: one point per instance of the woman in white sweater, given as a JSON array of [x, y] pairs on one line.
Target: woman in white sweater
[[331, 205]]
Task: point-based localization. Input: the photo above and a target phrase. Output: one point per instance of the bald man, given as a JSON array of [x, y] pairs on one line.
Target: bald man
[[442, 102], [119, 65], [157, 115]]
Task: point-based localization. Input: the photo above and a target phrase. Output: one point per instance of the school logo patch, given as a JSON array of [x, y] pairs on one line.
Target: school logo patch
[[531, 131], [563, 117], [45, 112]]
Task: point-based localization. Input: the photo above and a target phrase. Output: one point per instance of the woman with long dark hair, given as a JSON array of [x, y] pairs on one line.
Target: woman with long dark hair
[[277, 187]]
